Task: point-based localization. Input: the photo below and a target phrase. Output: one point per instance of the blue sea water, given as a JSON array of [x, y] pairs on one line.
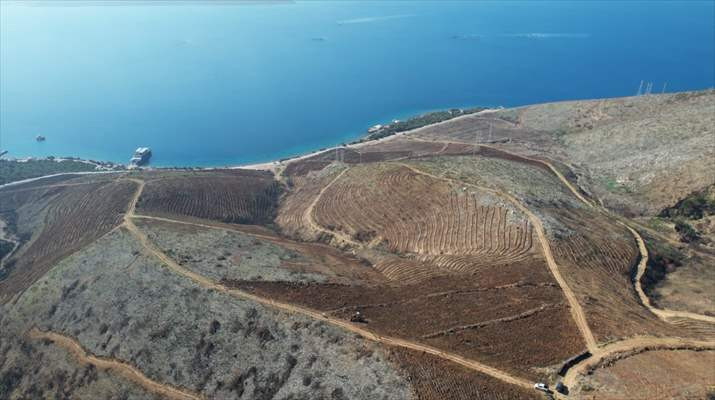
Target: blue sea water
[[224, 83]]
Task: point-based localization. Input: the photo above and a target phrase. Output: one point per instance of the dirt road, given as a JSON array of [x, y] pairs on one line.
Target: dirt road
[[117, 366], [661, 313], [574, 306], [634, 345], [314, 314], [308, 215]]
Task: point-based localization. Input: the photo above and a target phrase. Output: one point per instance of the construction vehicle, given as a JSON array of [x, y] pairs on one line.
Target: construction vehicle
[[358, 317]]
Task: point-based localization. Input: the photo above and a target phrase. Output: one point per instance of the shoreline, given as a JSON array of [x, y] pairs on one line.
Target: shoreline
[[270, 166], [273, 165]]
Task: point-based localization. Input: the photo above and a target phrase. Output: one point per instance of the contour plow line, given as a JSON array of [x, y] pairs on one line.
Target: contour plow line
[[633, 345], [110, 364], [308, 214], [314, 314], [663, 314], [575, 308]]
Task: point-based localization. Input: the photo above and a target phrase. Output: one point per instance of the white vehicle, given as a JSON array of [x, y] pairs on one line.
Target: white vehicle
[[542, 387]]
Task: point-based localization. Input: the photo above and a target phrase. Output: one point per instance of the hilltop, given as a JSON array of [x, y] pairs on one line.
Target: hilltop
[[566, 243]]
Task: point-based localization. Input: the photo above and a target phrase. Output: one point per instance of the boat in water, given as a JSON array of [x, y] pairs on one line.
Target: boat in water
[[141, 157]]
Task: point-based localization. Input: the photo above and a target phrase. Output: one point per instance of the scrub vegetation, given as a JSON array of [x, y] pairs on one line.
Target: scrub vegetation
[[464, 260]]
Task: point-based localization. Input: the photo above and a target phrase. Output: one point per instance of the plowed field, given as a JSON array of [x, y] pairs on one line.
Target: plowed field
[[483, 315], [597, 257], [233, 196], [409, 213], [75, 216], [435, 379]]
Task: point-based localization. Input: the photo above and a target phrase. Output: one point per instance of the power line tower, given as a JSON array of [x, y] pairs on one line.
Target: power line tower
[[640, 89], [664, 86]]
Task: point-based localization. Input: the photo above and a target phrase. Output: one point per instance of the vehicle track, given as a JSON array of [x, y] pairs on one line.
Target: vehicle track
[[106, 363], [577, 313], [314, 314]]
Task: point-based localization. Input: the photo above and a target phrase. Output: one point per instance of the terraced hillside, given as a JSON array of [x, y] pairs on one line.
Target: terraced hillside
[[233, 196], [464, 260], [53, 221]]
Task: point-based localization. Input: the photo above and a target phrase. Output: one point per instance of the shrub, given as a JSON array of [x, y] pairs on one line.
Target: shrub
[[695, 206], [9, 381], [687, 233]]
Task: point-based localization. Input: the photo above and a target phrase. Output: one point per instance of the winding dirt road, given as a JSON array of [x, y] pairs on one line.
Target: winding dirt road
[[635, 344], [661, 313], [622, 346], [598, 353], [122, 368], [577, 313], [314, 314], [664, 314]]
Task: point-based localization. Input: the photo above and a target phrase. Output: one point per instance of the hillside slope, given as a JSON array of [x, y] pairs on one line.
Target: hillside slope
[[463, 260]]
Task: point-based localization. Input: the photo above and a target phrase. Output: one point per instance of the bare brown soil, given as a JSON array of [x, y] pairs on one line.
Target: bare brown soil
[[302, 193], [436, 379], [392, 150], [655, 375], [472, 272], [76, 216], [599, 258], [233, 196], [412, 213], [227, 288], [645, 367], [483, 315]]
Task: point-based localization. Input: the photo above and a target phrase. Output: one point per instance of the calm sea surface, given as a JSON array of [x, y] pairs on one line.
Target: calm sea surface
[[219, 83]]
